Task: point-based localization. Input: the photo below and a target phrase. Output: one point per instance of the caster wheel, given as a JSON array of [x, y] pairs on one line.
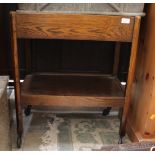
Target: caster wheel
[[106, 111], [19, 141], [27, 110], [120, 113]]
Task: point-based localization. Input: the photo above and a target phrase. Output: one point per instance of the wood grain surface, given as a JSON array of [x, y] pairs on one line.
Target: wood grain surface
[[72, 90], [15, 65], [142, 111], [131, 74], [73, 26]]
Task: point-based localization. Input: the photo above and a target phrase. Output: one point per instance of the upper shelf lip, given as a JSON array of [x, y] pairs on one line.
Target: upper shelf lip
[[86, 12]]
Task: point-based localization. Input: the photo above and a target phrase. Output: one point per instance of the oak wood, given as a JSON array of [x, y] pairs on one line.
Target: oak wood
[[16, 74], [131, 72], [82, 27], [116, 58], [72, 90], [73, 26]]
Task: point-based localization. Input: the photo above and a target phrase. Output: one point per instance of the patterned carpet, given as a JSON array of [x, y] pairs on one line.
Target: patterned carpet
[[70, 132], [66, 132]]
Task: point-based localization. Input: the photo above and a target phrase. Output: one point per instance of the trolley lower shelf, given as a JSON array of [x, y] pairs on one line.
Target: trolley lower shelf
[[72, 91]]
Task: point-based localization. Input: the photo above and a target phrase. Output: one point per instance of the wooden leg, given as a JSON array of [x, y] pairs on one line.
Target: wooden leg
[[131, 72], [16, 80], [116, 58], [27, 55], [120, 113]]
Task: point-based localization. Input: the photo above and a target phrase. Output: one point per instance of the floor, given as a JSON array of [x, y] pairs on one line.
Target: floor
[[48, 130]]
